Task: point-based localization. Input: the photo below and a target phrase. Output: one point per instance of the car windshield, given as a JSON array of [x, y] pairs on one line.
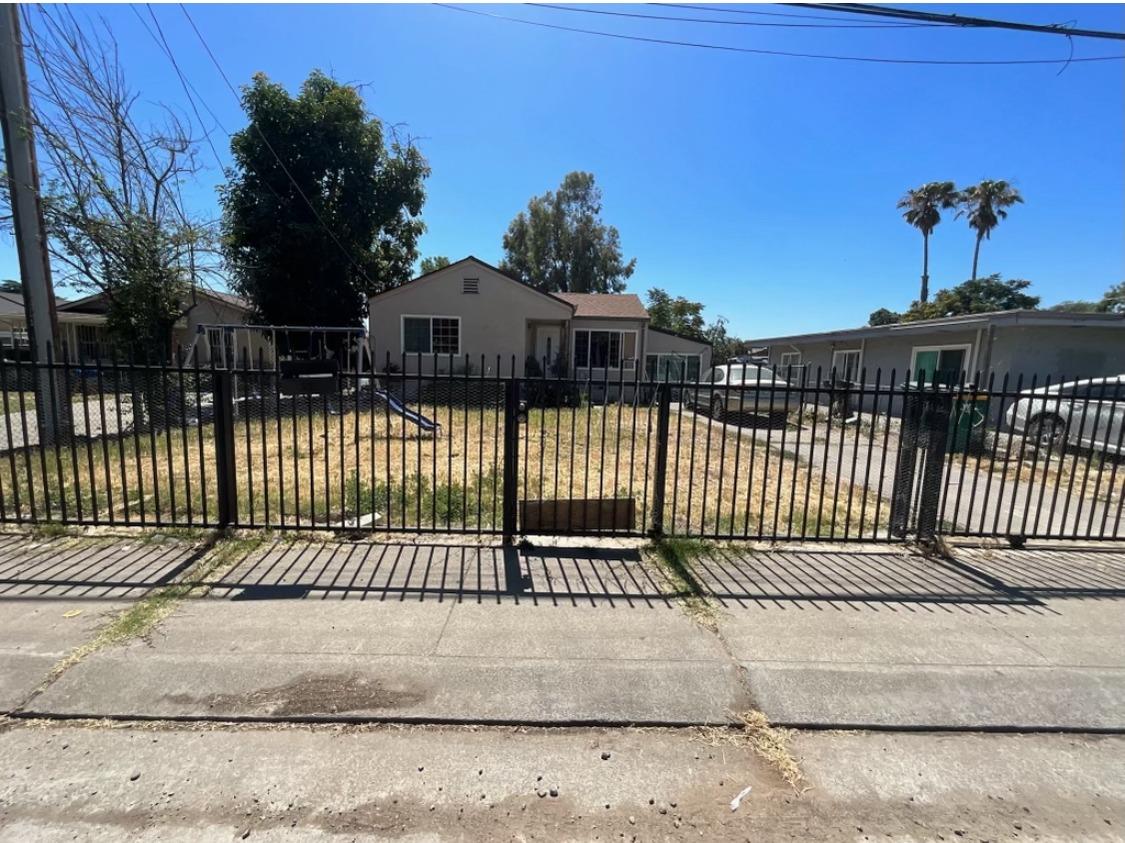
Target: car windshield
[[749, 374]]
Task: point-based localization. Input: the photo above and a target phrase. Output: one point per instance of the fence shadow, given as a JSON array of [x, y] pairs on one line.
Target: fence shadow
[[444, 572], [88, 569], [1054, 572], [894, 580]]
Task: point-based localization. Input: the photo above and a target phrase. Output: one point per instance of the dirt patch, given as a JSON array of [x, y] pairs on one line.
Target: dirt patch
[[308, 695]]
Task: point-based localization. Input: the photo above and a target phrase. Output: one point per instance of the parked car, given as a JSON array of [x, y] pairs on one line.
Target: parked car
[[739, 388], [1086, 414]]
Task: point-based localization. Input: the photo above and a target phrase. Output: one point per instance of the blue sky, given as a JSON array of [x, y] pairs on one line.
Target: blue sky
[[763, 186]]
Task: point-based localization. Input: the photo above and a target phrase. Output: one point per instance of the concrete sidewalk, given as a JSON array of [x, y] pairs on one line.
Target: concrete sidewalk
[[825, 636]]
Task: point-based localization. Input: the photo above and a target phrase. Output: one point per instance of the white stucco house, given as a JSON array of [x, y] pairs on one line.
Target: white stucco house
[[471, 316]]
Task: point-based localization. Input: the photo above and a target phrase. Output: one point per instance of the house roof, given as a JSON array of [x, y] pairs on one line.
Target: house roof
[[605, 305], [96, 299], [689, 337], [479, 262], [11, 304], [971, 321]]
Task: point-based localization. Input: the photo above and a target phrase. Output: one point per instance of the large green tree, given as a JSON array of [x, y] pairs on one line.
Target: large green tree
[[922, 207], [676, 314], [977, 295], [984, 205], [320, 210], [560, 244], [433, 264]]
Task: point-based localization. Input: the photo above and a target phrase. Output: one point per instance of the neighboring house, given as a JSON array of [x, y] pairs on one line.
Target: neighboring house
[[1027, 343], [470, 316], [82, 325]]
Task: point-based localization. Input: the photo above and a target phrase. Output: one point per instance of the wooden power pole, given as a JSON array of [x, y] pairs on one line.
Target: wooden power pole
[[27, 213]]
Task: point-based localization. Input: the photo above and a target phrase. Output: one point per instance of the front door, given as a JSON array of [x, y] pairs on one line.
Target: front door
[[548, 340]]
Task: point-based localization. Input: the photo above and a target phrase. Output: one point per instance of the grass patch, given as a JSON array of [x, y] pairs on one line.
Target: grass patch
[[673, 557], [52, 530], [770, 743], [139, 620]]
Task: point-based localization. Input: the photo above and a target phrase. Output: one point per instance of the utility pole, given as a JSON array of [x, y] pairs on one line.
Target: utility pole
[[27, 213]]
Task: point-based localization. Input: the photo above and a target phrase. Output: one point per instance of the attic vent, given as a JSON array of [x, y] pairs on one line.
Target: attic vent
[[470, 285]]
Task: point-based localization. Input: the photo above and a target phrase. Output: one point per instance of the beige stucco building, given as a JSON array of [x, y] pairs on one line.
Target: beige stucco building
[[470, 316]]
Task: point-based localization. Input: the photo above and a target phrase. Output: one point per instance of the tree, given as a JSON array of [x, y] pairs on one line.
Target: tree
[[678, 314], [977, 295], [984, 205], [882, 316], [433, 264], [1076, 306], [1114, 299], [318, 213], [116, 223], [724, 345], [559, 244], [922, 207]]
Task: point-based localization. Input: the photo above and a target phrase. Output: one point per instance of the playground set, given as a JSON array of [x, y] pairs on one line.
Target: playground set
[[313, 370]]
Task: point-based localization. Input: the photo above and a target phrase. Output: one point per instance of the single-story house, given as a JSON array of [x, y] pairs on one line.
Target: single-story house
[[82, 326], [1027, 343], [471, 316]]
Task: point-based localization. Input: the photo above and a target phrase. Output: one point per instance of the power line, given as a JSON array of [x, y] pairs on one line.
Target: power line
[[731, 10], [961, 20], [783, 53], [273, 152], [590, 11], [162, 42]]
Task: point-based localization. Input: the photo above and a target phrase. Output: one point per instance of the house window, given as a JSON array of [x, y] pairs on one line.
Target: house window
[[91, 342], [790, 358], [938, 363], [470, 286], [431, 334], [605, 349], [672, 368], [846, 364]]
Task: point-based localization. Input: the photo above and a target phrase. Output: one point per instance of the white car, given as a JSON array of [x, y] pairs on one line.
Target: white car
[[1086, 414], [742, 389]]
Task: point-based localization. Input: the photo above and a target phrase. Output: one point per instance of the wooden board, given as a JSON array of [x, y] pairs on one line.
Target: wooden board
[[577, 515]]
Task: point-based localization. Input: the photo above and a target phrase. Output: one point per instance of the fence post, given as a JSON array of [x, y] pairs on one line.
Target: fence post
[[660, 469], [902, 490], [224, 446], [511, 457], [935, 434]]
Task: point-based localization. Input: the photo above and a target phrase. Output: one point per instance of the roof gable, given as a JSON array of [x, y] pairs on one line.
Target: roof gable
[[471, 259]]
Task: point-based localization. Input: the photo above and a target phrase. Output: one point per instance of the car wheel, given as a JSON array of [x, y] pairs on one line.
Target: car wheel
[[717, 410], [1046, 432]]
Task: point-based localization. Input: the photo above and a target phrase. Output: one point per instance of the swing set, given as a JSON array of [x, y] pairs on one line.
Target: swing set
[[313, 371]]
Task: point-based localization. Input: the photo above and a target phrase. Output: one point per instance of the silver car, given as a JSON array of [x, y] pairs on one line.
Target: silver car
[[1085, 414], [737, 388]]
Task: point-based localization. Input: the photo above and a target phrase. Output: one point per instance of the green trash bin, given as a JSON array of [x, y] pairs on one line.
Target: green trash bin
[[966, 421]]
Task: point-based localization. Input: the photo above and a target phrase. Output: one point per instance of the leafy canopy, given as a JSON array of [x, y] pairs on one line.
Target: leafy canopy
[[433, 264], [678, 314], [559, 244], [1112, 302], [984, 205], [979, 295], [922, 206], [299, 265]]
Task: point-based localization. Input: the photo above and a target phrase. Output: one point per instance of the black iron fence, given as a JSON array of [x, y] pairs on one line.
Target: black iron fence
[[441, 445]]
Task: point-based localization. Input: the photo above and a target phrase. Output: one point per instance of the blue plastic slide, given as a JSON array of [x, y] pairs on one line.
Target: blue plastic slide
[[404, 411]]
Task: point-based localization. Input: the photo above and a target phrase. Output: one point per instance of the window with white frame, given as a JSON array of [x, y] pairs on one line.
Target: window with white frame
[[940, 363], [431, 334], [595, 349], [789, 358], [672, 368], [846, 364]]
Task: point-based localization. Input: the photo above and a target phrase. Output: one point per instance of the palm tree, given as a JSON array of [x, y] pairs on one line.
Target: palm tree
[[984, 204], [922, 207]]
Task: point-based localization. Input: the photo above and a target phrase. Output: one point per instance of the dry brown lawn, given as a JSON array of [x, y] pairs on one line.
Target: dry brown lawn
[[318, 468]]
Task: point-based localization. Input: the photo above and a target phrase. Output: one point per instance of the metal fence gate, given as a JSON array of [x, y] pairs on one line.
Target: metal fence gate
[[438, 444]]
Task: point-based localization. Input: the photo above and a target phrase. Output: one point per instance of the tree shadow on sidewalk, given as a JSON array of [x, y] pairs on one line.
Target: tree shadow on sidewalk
[[538, 576]]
